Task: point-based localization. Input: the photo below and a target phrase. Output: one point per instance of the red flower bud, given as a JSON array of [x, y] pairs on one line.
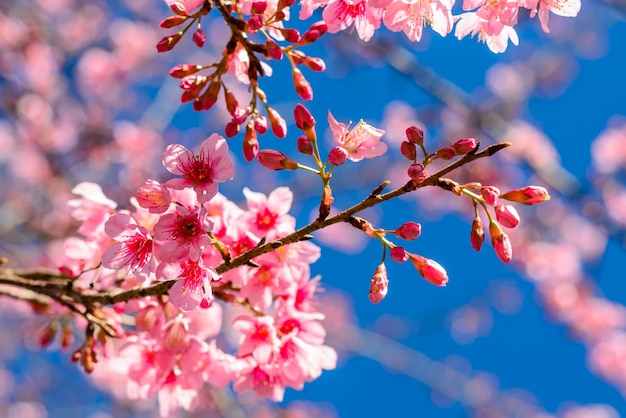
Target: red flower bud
[[477, 235], [255, 23], [231, 129], [231, 102], [465, 145], [490, 194], [172, 21], [337, 156], [199, 38], [398, 254], [260, 125], [379, 285], [314, 63], [305, 145], [429, 269], [169, 42], [415, 135], [501, 242], [178, 8], [279, 126], [303, 87], [291, 35], [507, 215], [417, 172], [250, 143], [276, 160], [409, 150], [409, 231], [153, 196], [529, 195], [315, 31], [258, 7], [304, 119], [446, 153], [184, 70]]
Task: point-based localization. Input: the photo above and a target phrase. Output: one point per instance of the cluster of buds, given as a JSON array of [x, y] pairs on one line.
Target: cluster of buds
[[415, 138], [241, 60], [505, 214]]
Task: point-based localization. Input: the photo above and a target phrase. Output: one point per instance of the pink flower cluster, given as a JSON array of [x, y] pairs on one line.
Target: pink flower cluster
[[182, 230], [492, 21]]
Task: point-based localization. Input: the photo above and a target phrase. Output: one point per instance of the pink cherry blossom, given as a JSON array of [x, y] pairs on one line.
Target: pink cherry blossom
[[363, 141], [184, 232], [259, 337], [212, 165], [411, 16], [341, 14], [269, 213], [134, 248], [568, 8], [471, 23], [92, 210], [194, 285]]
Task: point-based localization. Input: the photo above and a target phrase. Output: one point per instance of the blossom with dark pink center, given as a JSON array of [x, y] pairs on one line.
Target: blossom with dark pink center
[[212, 165], [363, 141], [133, 249], [194, 285], [184, 232]]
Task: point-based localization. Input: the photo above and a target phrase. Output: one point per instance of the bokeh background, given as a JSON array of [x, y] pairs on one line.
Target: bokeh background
[[83, 94]]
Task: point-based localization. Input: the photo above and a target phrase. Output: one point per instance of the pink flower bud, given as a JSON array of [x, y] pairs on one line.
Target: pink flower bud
[[260, 125], [379, 285], [337, 155], [408, 150], [279, 126], [172, 21], [465, 145], [529, 195], [291, 35], [429, 269], [276, 160], [46, 335], [501, 242], [169, 42], [415, 135], [409, 231], [417, 172], [477, 235], [304, 119], [285, 3], [273, 50], [176, 335], [148, 318], [209, 98], [199, 38], [305, 145], [490, 194], [507, 215], [398, 254], [231, 101], [255, 23], [153, 196], [315, 63], [184, 70], [303, 87], [231, 129], [315, 31], [250, 143], [446, 153], [178, 8], [258, 7]]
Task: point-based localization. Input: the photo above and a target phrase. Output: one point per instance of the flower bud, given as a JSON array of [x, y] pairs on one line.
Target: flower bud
[[169, 42], [446, 153], [398, 254], [153, 196], [429, 269], [305, 145], [417, 172], [507, 215], [490, 194], [46, 335], [303, 87], [465, 145], [148, 318], [291, 35], [260, 125], [199, 37], [176, 335], [304, 119], [273, 50], [315, 31], [279, 126], [337, 155], [184, 70], [172, 21], [258, 7], [415, 135], [314, 63], [276, 160], [409, 231], [250, 143], [408, 150], [529, 195], [178, 8], [379, 285], [209, 98], [67, 336], [231, 129], [477, 234], [231, 101], [255, 23], [501, 242]]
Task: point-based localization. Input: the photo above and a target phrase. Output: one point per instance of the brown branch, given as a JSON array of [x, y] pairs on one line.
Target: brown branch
[[58, 287]]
